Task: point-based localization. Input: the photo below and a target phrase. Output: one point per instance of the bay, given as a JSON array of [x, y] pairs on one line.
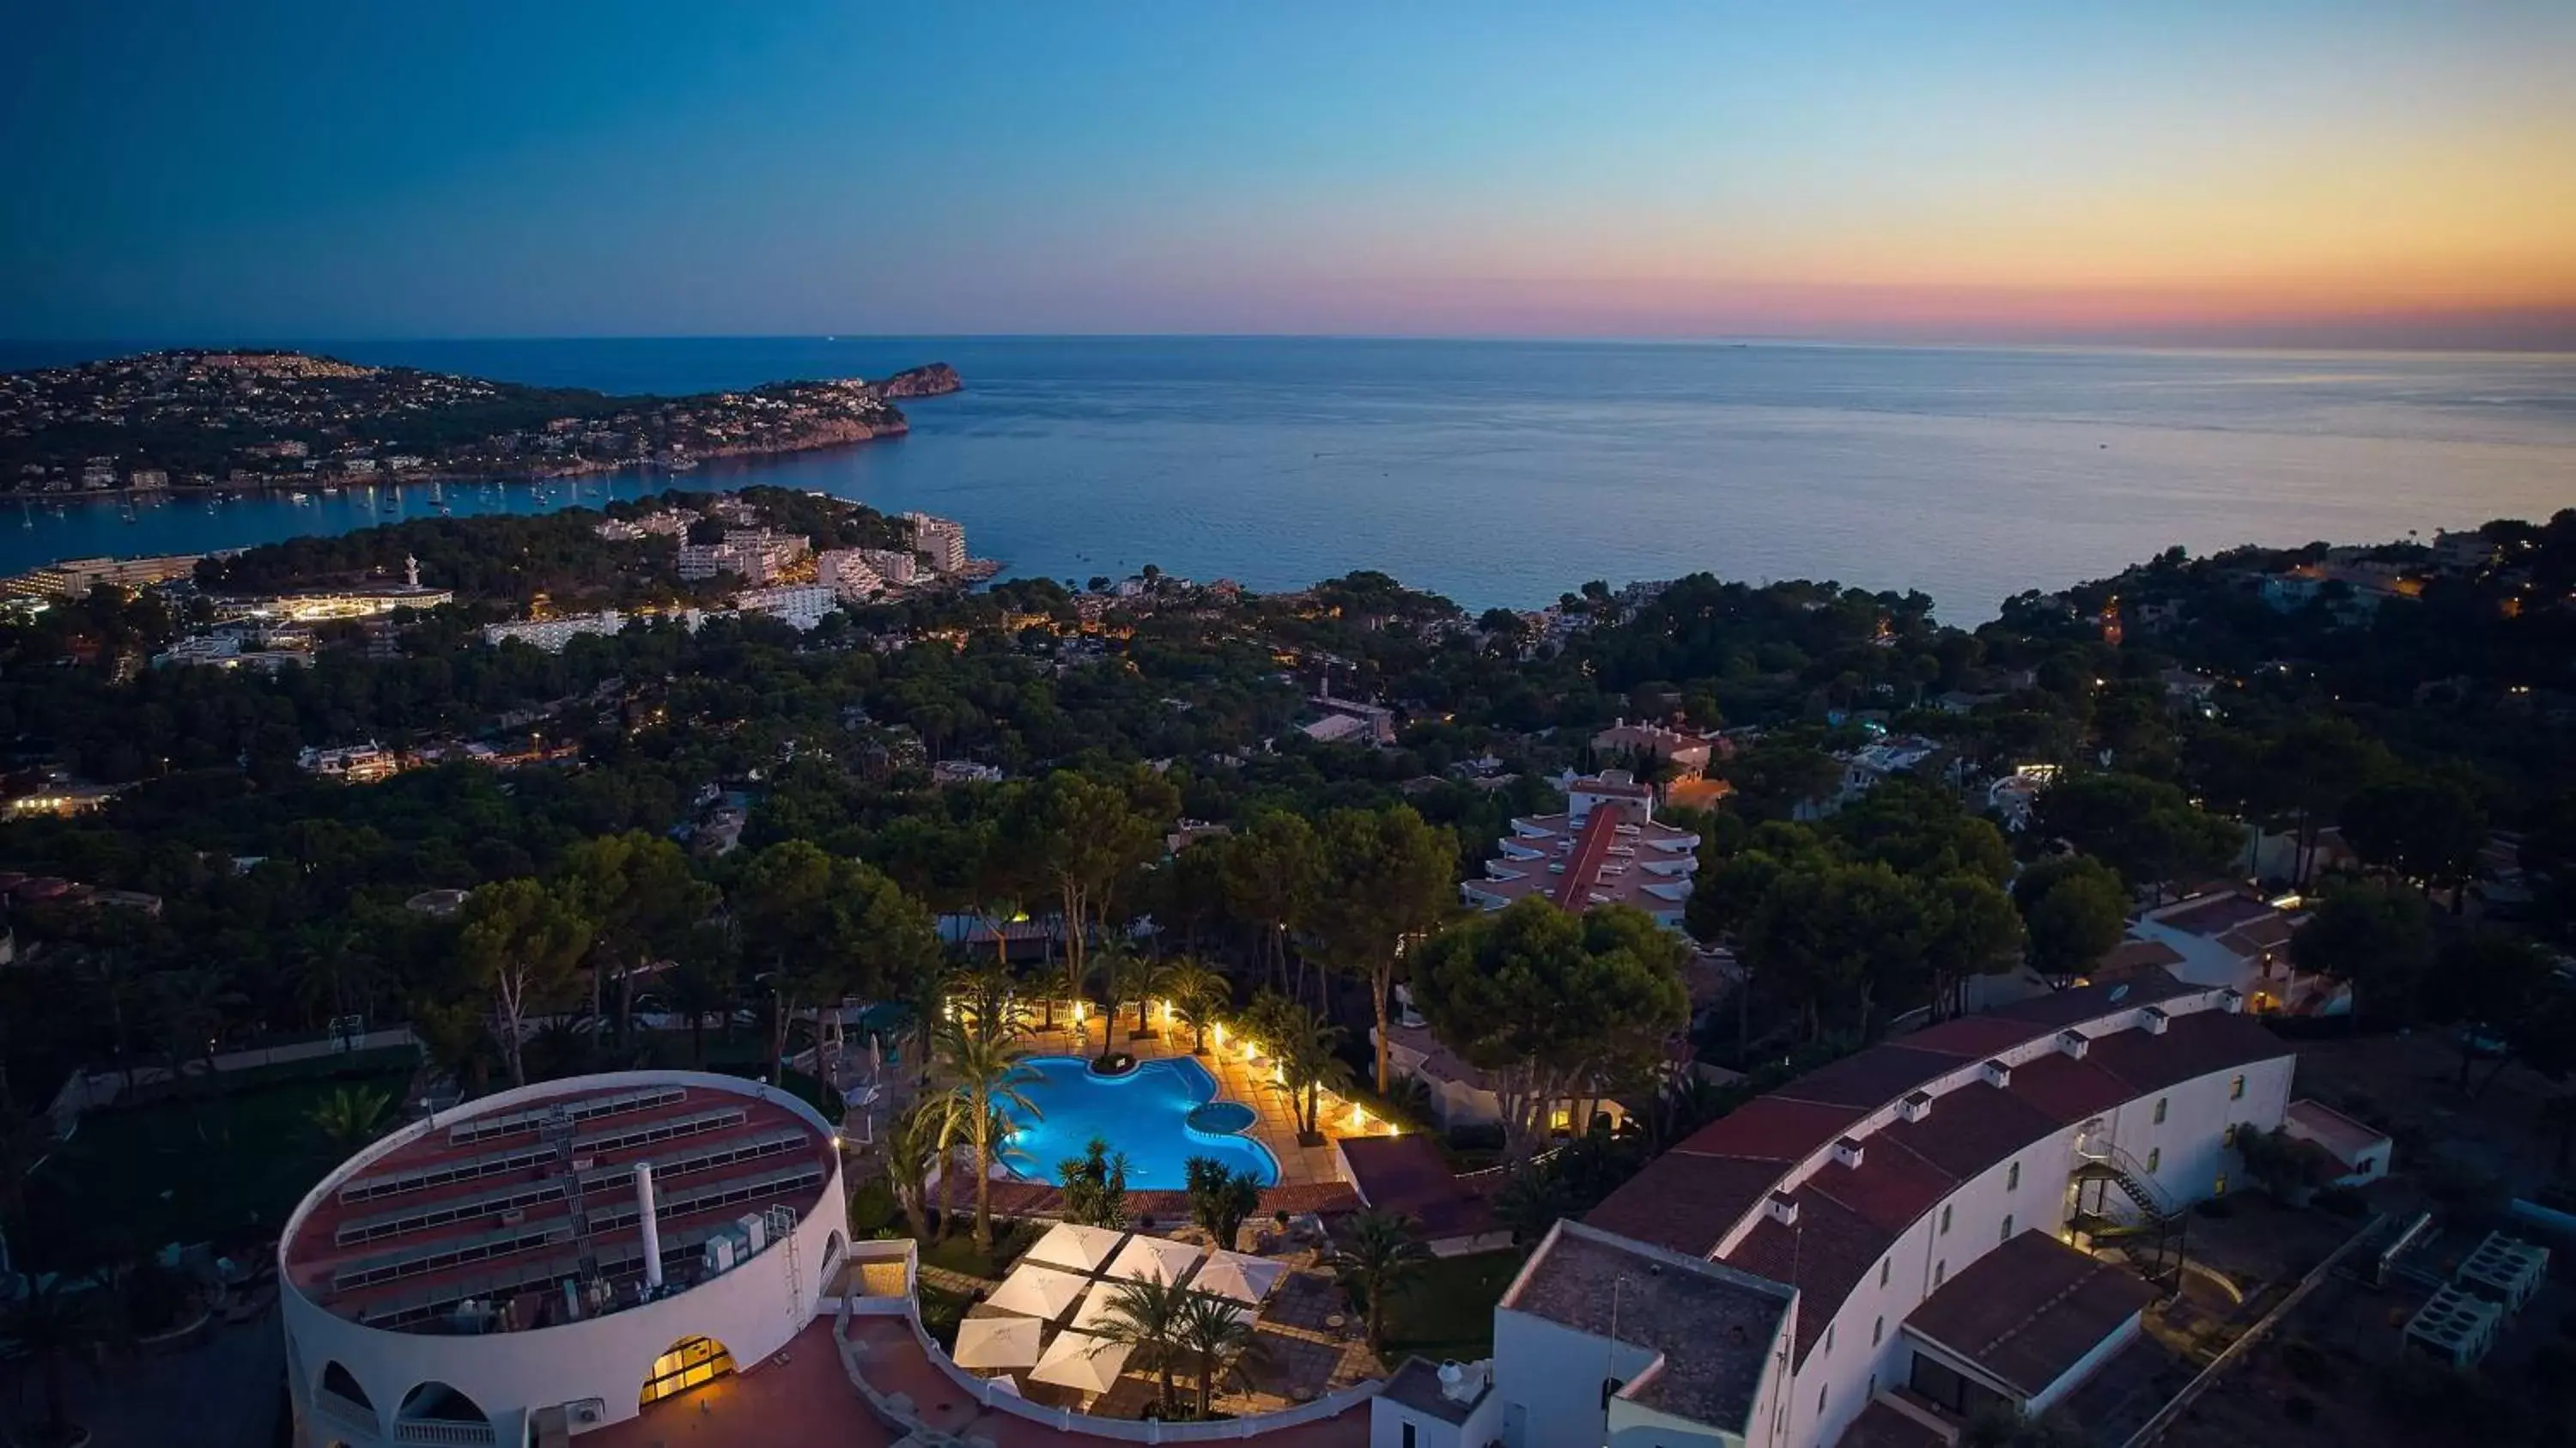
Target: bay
[[1506, 472]]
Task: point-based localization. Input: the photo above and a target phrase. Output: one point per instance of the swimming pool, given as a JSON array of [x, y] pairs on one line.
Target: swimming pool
[[1143, 1113]]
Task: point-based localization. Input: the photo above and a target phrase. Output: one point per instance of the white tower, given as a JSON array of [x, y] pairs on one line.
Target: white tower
[[411, 571]]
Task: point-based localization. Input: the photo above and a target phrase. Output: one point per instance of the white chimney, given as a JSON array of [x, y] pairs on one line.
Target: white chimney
[[1782, 1208], [2074, 1043], [2154, 1020], [1916, 1106], [1997, 1072], [1847, 1151], [652, 1226]]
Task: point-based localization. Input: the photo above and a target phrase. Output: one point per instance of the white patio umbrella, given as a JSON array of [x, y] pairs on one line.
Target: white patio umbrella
[[1242, 1278], [1098, 1303], [1079, 1248], [1038, 1291], [1146, 1258], [1083, 1362], [998, 1342]]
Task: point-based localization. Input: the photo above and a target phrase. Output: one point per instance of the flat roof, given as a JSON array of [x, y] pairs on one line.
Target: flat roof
[[1712, 1326], [2029, 1311], [480, 1204]]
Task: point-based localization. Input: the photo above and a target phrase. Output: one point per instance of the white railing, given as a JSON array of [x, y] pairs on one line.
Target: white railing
[[446, 1434]]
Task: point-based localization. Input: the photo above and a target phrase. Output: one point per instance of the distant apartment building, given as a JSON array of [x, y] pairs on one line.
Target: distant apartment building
[[756, 556], [551, 634], [894, 565], [1687, 753], [1605, 849], [942, 539], [75, 577], [352, 763], [848, 573], [801, 605], [628, 530]]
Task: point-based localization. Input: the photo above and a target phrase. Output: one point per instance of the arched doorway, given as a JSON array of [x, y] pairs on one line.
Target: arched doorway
[[436, 1402], [340, 1394], [691, 1362]]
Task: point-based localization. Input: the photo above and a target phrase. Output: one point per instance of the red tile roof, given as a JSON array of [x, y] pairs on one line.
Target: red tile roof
[[1890, 1188], [1408, 1174], [1590, 849], [2067, 1089], [2192, 1045], [2030, 1310], [1824, 1256], [1971, 1129], [1685, 1201], [1771, 1128]]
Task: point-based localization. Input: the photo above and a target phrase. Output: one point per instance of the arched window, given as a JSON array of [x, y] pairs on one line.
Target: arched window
[[343, 1383], [833, 1251], [684, 1365], [436, 1402]]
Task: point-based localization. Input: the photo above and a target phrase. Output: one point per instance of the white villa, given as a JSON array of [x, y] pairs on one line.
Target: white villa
[[1922, 1215]]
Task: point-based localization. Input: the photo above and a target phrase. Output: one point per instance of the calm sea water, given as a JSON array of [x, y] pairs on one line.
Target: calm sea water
[[1502, 472]]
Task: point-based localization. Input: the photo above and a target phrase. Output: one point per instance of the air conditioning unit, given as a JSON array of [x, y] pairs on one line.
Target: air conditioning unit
[[588, 1413]]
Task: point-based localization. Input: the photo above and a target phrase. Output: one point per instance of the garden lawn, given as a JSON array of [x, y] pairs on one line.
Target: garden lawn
[[1448, 1311], [224, 1168]]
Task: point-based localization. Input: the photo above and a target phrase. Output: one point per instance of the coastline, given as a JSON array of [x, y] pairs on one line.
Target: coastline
[[343, 482]]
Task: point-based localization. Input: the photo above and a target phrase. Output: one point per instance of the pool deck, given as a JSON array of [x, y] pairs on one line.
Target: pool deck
[[1275, 1121]]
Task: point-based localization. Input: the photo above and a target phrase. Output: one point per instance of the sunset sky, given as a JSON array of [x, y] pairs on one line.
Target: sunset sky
[[2170, 172]]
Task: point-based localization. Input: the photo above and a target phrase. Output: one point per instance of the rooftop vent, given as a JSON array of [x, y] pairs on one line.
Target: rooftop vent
[[2232, 1001], [1996, 1072], [1847, 1151], [2154, 1020], [2074, 1043], [1916, 1106], [1782, 1208]]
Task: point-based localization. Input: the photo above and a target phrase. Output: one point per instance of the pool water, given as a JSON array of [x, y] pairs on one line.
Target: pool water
[[1143, 1113]]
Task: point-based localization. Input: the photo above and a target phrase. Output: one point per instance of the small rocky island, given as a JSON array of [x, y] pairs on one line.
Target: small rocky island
[[274, 419]]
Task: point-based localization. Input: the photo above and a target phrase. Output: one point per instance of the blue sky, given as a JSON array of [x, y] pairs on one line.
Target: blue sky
[[2001, 171]]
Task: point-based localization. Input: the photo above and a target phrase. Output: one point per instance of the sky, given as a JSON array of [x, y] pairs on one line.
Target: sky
[[2351, 172]]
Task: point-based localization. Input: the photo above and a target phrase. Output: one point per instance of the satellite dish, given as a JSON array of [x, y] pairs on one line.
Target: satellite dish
[[2119, 993]]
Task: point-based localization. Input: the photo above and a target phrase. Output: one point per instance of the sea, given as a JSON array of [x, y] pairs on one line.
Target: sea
[[1506, 473]]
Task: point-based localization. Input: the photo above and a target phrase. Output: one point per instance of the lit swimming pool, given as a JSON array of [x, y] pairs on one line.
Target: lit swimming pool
[[1143, 1113]]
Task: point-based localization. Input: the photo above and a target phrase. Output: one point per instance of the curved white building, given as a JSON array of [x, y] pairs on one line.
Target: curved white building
[[1919, 1216], [550, 1259]]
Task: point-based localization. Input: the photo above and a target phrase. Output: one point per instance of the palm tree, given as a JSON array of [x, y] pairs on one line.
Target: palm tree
[[987, 997], [912, 1144], [1380, 1256], [1143, 1314], [52, 1322], [1306, 1050], [1533, 1198], [1147, 977], [1118, 971], [1217, 1338], [985, 1078], [1199, 996], [348, 1117]]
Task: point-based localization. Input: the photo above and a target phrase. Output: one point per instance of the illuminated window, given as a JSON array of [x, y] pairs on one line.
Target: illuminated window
[[690, 1362], [2218, 1188], [2160, 1111]]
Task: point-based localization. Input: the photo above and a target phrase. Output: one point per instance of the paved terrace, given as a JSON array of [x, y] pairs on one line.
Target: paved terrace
[[476, 1203]]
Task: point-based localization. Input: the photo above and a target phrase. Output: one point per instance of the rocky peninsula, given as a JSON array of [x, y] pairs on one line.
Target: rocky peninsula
[[277, 419]]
